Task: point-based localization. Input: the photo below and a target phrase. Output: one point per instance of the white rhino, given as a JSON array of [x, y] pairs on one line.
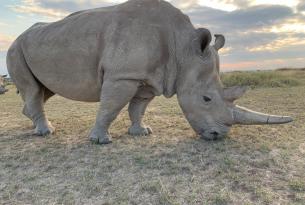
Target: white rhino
[[128, 53], [2, 84]]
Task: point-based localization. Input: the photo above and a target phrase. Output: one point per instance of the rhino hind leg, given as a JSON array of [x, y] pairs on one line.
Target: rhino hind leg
[[114, 96], [34, 110], [32, 92], [47, 95], [136, 109]]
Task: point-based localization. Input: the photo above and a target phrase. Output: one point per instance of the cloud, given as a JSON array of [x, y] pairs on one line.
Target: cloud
[[254, 33], [75, 5], [278, 44], [225, 51], [3, 24], [182, 4], [55, 9], [33, 7], [247, 17], [265, 64], [241, 19], [301, 6], [263, 34], [238, 3], [5, 41]]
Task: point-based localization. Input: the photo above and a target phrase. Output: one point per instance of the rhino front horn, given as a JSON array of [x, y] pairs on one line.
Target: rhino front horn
[[245, 116]]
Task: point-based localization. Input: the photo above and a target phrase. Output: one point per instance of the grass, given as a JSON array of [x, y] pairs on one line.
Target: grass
[[297, 185], [253, 165], [278, 78]]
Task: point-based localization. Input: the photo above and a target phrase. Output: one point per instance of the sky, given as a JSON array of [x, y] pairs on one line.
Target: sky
[[260, 34]]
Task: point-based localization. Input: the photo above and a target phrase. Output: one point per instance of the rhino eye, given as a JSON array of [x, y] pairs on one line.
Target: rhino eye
[[206, 99]]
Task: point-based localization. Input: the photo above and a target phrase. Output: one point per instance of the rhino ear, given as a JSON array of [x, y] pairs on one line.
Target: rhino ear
[[233, 93], [203, 38], [219, 41]]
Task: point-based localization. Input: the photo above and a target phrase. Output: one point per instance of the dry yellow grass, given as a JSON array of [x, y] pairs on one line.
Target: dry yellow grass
[[254, 165]]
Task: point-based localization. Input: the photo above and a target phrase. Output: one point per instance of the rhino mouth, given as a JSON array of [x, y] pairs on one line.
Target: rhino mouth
[[214, 133]]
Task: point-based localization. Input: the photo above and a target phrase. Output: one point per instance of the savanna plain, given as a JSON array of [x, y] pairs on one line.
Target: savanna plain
[[253, 165]]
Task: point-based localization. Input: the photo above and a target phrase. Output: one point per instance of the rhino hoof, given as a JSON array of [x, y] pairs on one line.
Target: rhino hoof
[[139, 131], [44, 130], [100, 138]]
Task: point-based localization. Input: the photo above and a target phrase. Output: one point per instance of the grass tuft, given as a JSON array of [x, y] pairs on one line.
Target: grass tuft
[[221, 198], [297, 185]]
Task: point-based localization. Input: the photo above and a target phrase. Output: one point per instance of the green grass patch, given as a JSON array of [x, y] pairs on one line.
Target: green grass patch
[[278, 78], [297, 185]]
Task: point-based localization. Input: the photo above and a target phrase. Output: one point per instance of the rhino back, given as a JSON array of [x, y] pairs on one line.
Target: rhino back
[[128, 41]]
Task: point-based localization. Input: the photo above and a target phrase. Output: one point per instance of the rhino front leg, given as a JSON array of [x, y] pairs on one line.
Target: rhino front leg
[[115, 95], [137, 107]]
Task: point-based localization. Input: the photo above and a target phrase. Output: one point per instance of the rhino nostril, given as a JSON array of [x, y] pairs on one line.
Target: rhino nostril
[[214, 133]]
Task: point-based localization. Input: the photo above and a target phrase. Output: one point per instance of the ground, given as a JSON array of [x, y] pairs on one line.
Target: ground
[[253, 165]]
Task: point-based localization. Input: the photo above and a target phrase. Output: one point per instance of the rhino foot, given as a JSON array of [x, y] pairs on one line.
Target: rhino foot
[[137, 130], [43, 129], [99, 137]]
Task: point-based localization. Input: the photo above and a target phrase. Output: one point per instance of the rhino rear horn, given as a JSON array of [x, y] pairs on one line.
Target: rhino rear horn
[[219, 41]]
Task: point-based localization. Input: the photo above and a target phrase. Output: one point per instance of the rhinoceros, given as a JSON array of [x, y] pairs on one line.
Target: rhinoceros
[[128, 53], [2, 84]]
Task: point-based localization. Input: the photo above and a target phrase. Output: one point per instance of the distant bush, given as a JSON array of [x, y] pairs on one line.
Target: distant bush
[[264, 78], [8, 81]]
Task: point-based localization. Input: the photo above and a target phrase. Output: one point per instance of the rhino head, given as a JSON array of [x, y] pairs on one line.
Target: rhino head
[[207, 105], [2, 85]]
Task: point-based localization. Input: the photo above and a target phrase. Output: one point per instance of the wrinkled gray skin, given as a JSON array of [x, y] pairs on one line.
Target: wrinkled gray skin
[[2, 85], [123, 54]]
